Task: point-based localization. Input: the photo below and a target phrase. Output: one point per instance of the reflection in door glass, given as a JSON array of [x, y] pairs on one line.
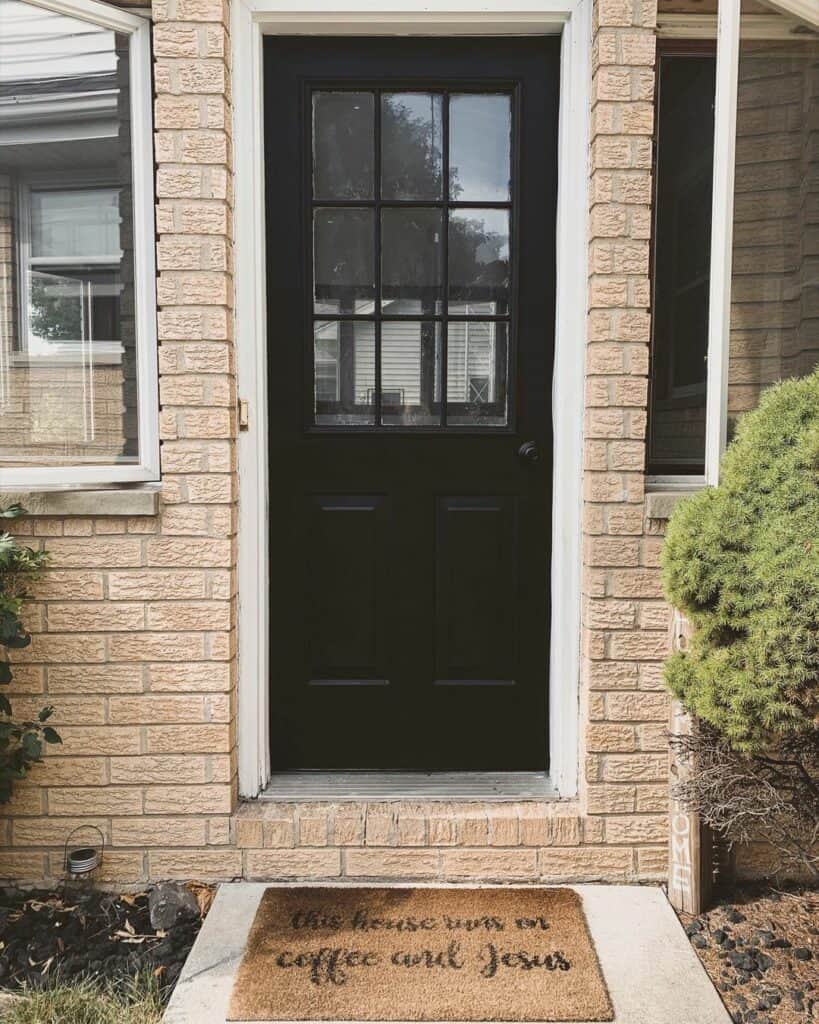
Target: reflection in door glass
[[480, 135], [411, 146], [344, 262], [404, 258], [477, 372], [411, 373], [344, 373], [343, 142], [479, 258], [411, 256]]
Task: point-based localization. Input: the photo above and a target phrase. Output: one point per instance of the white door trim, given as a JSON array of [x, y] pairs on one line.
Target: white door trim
[[251, 20]]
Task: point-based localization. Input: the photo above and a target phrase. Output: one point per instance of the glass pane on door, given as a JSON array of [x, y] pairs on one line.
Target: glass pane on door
[[413, 258], [344, 373]]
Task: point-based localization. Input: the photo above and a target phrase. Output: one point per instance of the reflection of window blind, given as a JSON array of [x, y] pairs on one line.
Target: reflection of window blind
[[326, 380], [81, 222]]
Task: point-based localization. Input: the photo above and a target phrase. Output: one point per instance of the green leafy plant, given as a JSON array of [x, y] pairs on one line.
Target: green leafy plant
[[21, 742], [742, 561]]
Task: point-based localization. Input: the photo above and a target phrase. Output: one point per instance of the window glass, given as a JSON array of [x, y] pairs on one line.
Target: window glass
[[480, 134], [681, 260], [775, 275], [412, 280], [411, 147], [68, 380]]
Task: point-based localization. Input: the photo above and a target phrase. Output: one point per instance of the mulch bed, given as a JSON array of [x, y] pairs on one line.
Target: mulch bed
[[71, 933], [761, 948]]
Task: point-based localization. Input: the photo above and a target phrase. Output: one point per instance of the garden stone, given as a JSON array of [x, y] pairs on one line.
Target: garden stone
[[803, 953], [170, 903]]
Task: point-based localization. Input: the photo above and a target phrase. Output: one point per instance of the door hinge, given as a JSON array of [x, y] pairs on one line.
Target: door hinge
[[244, 414]]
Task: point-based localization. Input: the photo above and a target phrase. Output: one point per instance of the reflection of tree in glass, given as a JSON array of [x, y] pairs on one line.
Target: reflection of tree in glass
[[478, 261], [411, 146], [55, 313]]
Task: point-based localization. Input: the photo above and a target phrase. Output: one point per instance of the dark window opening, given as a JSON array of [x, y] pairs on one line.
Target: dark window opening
[[681, 259]]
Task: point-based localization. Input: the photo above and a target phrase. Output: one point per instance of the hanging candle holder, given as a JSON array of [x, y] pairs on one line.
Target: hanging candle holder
[[80, 861]]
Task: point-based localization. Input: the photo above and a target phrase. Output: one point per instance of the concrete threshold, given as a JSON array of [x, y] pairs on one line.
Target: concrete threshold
[[653, 974]]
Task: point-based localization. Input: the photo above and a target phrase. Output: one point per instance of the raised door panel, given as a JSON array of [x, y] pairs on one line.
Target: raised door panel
[[344, 581], [476, 568]]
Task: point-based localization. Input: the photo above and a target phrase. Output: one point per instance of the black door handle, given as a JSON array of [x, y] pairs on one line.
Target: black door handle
[[528, 451]]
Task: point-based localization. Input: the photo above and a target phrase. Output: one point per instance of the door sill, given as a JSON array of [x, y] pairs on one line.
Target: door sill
[[335, 786]]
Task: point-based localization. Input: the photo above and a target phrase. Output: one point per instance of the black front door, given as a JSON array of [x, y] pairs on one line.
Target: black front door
[[411, 188]]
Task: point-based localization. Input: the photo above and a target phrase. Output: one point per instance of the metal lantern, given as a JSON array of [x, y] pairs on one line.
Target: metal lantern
[[80, 861]]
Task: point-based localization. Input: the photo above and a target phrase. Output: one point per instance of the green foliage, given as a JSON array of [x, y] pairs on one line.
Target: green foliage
[[21, 742], [138, 1001], [742, 561]]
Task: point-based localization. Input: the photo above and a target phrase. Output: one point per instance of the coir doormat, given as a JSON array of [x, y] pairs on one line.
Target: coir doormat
[[420, 954]]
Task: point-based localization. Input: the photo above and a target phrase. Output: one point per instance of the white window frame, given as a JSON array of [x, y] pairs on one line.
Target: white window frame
[[18, 476], [571, 19], [103, 352], [728, 26]]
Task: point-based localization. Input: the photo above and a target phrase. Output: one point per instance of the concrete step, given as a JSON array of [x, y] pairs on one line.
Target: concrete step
[[653, 974]]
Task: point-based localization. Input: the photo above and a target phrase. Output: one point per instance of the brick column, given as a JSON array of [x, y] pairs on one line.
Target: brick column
[[624, 621], [198, 420]]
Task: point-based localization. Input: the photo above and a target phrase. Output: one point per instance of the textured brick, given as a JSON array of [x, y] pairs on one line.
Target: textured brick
[[203, 865], [587, 864], [150, 709], [271, 865], [108, 616], [145, 769], [371, 863], [169, 831], [488, 865], [188, 799], [196, 739]]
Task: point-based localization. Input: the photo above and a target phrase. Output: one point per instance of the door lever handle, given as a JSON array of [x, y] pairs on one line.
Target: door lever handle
[[528, 451]]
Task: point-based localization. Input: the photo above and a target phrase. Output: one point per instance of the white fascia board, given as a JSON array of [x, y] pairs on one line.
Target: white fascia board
[[104, 15]]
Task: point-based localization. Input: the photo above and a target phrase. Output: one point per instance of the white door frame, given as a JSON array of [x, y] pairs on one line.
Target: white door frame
[[252, 19]]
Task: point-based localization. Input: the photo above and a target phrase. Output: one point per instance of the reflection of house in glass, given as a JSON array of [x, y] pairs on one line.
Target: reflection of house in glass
[[472, 365], [67, 376]]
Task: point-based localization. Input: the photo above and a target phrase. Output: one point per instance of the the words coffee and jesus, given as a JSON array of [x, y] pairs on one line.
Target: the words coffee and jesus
[[420, 954]]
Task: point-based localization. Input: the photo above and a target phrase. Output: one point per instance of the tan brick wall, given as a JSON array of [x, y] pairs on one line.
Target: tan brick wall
[[625, 621], [135, 627], [775, 295]]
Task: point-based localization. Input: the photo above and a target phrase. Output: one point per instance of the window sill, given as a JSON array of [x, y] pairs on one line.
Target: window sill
[[660, 504], [109, 501], [298, 787]]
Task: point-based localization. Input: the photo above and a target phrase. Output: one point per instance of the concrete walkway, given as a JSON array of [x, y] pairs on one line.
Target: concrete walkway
[[653, 974]]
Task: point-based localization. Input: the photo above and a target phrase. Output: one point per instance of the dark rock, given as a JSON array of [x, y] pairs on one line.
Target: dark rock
[[803, 953], [699, 942], [169, 903], [693, 927], [735, 917], [719, 936]]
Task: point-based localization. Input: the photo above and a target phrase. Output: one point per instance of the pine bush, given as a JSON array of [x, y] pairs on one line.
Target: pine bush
[[741, 560]]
